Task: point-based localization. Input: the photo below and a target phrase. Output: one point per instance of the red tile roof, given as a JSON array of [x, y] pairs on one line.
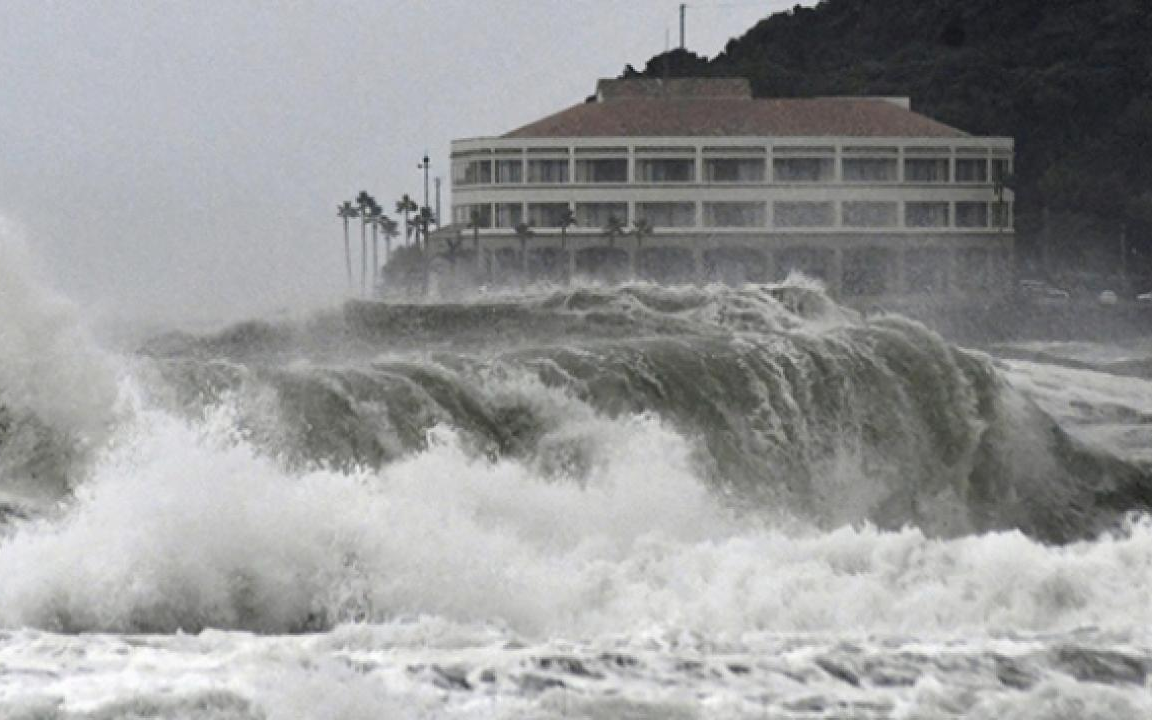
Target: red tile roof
[[692, 116]]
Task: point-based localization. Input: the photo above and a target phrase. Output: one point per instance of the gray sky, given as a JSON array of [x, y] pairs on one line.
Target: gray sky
[[184, 159]]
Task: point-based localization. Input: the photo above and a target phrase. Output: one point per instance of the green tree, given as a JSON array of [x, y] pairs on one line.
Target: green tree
[[474, 224], [374, 214], [641, 228], [567, 220], [614, 228], [346, 212], [406, 205], [365, 202], [524, 234], [424, 220], [389, 230]]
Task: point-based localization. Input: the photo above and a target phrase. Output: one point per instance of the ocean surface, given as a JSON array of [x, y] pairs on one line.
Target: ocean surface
[[590, 503]]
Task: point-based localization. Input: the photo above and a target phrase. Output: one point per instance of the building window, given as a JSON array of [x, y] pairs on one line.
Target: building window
[[509, 215], [866, 271], [666, 170], [804, 169], [926, 170], [605, 170], [926, 270], [595, 215], [462, 215], [1001, 169], [803, 214], [735, 214], [668, 214], [926, 214], [472, 172], [479, 172], [546, 215], [509, 171], [869, 169], [869, 214], [971, 214], [971, 170], [1002, 215], [734, 170], [551, 172]]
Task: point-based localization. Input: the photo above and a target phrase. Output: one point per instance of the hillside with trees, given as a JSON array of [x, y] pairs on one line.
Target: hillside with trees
[[1070, 80]]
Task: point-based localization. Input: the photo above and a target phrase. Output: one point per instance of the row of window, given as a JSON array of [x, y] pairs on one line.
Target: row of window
[[730, 170], [785, 214]]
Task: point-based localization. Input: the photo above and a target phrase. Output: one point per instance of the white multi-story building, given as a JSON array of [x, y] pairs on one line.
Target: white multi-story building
[[871, 197]]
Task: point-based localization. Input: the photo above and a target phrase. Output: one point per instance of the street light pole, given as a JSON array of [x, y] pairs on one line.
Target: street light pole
[[425, 166]]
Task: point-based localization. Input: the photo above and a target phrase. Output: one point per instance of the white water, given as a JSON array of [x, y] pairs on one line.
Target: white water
[[472, 566], [460, 586]]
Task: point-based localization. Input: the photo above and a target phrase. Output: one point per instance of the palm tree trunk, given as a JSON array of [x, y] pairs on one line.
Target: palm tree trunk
[[347, 254], [375, 257], [363, 257]]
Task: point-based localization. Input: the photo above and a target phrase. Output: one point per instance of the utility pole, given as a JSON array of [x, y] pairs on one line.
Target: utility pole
[[683, 7], [438, 223], [425, 166]]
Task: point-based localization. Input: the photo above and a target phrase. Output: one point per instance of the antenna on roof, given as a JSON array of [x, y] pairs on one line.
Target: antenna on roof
[[683, 7]]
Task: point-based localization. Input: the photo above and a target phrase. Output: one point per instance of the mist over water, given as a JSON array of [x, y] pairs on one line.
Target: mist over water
[[645, 502]]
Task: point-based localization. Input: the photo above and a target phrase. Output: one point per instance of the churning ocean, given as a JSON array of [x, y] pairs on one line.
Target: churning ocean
[[635, 502]]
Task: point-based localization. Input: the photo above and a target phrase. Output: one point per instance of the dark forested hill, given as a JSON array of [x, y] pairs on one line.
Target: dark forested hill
[[1071, 80]]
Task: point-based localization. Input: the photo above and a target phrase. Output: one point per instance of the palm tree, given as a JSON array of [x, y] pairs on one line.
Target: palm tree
[[454, 244], [474, 224], [365, 201], [406, 205], [389, 229], [524, 234], [641, 228], [567, 220], [347, 212], [423, 220], [613, 229], [375, 212]]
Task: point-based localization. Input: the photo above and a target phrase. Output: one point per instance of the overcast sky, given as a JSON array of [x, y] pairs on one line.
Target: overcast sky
[[185, 159]]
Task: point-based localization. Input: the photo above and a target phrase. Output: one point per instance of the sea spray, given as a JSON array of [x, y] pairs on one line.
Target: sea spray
[[636, 502], [824, 416], [185, 526], [49, 365], [58, 390]]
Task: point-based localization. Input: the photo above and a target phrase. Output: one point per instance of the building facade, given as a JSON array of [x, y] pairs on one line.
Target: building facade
[[863, 193]]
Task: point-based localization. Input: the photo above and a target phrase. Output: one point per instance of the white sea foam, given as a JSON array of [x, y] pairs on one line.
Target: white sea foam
[[49, 365], [1106, 409], [186, 525], [453, 585]]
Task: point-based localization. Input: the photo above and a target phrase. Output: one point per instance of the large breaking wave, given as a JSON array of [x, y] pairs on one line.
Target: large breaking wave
[[724, 460], [788, 402]]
